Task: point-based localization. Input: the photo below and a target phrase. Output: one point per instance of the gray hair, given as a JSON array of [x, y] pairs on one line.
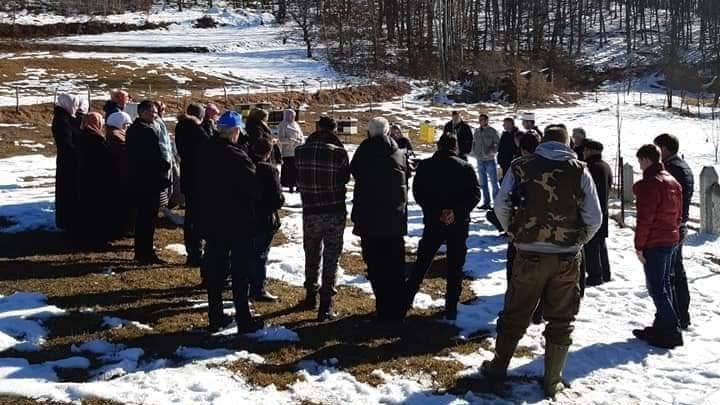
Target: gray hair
[[378, 126]]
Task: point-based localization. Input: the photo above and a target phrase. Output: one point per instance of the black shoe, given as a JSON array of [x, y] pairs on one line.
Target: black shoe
[[310, 301], [325, 312], [263, 297], [451, 315], [593, 282], [251, 325], [684, 326], [494, 378], [643, 334], [485, 207], [665, 341], [224, 323]]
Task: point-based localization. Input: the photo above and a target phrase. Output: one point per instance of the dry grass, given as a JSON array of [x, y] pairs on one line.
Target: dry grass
[[75, 276]]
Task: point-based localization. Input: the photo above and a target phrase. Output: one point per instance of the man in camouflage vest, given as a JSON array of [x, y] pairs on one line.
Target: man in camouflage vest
[[549, 205]]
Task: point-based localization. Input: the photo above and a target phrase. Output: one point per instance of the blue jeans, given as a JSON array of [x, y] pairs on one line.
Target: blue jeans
[[258, 272], [657, 276], [238, 258], [487, 170]]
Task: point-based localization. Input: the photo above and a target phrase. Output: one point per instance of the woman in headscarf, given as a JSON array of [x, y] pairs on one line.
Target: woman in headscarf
[[209, 123], [94, 164], [65, 170], [115, 127], [290, 136]]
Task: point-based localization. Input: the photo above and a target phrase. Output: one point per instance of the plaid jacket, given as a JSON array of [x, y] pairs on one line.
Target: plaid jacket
[[323, 170]]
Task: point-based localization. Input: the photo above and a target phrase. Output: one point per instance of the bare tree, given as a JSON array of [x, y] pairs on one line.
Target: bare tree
[[304, 13]]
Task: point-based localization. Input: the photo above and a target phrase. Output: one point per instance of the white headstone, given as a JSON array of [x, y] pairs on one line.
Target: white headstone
[[709, 201], [628, 176]]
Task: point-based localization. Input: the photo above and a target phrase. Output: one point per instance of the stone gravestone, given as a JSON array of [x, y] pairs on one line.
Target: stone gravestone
[[709, 201], [628, 178]]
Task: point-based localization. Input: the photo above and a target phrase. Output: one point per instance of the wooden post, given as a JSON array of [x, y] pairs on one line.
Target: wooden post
[[226, 95], [709, 206], [17, 99]]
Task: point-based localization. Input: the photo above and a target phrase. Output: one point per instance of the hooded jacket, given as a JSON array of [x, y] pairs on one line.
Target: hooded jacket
[[380, 196], [562, 176], [659, 209], [290, 135]]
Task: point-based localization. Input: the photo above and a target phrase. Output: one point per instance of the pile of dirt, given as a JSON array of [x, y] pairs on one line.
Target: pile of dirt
[[19, 31]]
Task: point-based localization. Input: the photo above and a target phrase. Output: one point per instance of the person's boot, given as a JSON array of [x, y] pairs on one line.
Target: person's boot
[[310, 301], [325, 311], [555, 357], [495, 370]]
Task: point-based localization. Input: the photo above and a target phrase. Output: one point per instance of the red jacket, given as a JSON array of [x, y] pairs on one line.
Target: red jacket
[[659, 209]]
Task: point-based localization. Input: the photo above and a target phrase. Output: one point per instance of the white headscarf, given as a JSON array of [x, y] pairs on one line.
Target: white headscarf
[[118, 120], [290, 135], [69, 103]]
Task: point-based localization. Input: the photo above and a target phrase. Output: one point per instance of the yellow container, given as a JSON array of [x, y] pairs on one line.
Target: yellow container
[[427, 133]]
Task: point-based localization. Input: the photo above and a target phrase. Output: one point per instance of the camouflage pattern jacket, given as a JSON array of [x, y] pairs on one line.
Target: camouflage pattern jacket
[[548, 202]]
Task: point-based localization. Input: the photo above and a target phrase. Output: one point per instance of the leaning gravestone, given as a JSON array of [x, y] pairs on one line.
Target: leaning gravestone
[[709, 201]]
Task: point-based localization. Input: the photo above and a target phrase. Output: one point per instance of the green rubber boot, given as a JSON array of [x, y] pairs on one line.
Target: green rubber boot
[[555, 357], [495, 370]]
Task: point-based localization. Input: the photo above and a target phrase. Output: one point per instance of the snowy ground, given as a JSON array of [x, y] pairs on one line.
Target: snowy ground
[[606, 365], [248, 51]]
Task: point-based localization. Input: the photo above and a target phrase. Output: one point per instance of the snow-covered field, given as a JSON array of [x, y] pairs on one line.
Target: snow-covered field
[[606, 365]]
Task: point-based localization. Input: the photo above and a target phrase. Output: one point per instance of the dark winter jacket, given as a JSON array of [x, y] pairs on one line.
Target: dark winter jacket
[[110, 108], [148, 168], [445, 181], [508, 149], [270, 198], [464, 135], [323, 170], [679, 169], [190, 139], [380, 197], [257, 129], [119, 168], [580, 152], [63, 132], [94, 189], [659, 209], [210, 127], [603, 179], [228, 192]]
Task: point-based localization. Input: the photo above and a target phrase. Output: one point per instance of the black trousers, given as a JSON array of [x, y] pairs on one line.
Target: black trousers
[[223, 257], [455, 236], [385, 260], [193, 243], [681, 292], [147, 206], [597, 262]]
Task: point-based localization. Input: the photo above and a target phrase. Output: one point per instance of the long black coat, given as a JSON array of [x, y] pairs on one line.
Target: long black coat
[[148, 167], [464, 135], [94, 168], [445, 181], [603, 179], [228, 193], [380, 197], [679, 169], [190, 139], [507, 149], [270, 198], [65, 171]]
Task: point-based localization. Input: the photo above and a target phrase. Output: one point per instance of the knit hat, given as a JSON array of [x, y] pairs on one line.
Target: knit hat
[[528, 116], [211, 111], [118, 119]]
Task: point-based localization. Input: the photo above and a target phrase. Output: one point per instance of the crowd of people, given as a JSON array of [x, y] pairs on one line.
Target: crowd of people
[[547, 191]]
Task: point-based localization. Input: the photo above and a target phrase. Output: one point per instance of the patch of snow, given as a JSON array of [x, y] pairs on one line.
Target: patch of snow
[[21, 316]]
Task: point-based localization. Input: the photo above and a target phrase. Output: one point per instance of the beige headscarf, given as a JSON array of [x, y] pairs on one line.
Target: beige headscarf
[[94, 123], [69, 103]]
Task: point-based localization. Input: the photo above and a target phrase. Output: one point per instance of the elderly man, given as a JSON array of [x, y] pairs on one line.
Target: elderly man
[[148, 178], [528, 123], [323, 173], [118, 101], [380, 216], [462, 131], [191, 138], [227, 222], [447, 189], [550, 209]]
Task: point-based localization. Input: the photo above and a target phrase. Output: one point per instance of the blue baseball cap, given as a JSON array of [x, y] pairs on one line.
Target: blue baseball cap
[[230, 119]]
